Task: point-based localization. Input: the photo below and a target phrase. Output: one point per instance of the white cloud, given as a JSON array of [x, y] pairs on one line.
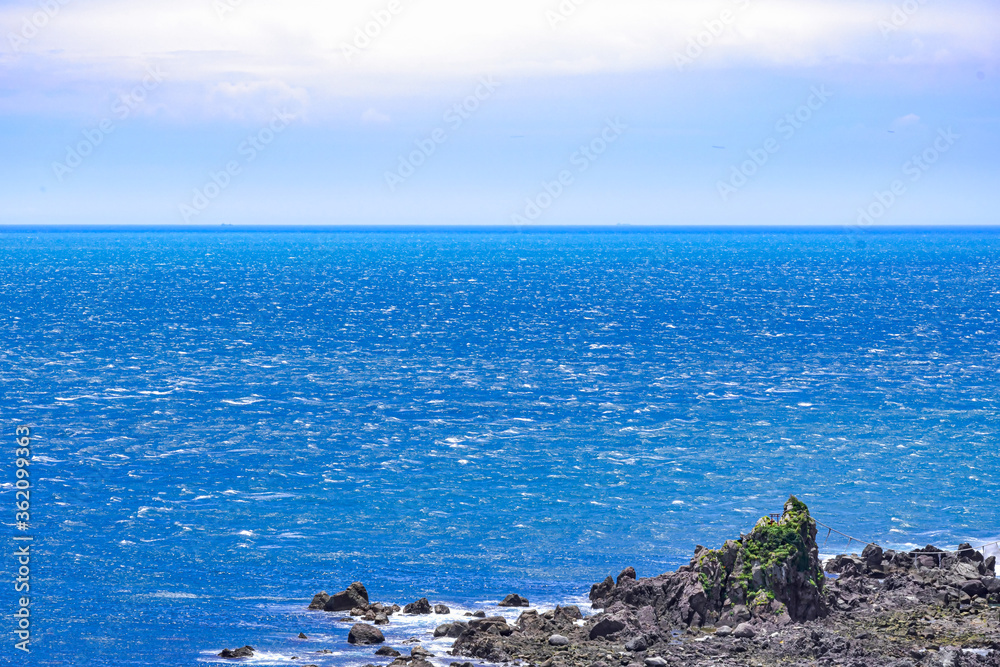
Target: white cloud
[[294, 50], [375, 117]]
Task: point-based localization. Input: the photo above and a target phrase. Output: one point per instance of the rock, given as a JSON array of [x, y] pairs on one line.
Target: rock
[[388, 651], [302, 635], [420, 652], [627, 573], [974, 588], [636, 645], [598, 592], [245, 652], [450, 629], [723, 631], [381, 619], [558, 640], [365, 635], [319, 600], [441, 609], [514, 600], [605, 627], [354, 597], [570, 612], [460, 664], [655, 661], [744, 631], [990, 565], [421, 606], [496, 625]]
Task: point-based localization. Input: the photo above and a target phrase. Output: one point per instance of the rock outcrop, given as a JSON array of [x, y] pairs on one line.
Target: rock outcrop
[[773, 572], [364, 634], [245, 652], [354, 597]]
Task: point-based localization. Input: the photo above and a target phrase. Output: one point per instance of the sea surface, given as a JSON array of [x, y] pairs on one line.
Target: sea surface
[[225, 423]]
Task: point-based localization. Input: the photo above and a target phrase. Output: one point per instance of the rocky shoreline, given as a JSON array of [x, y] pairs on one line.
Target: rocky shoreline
[[762, 599]]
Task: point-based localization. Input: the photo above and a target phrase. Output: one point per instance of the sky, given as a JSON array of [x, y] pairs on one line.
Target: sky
[[521, 112]]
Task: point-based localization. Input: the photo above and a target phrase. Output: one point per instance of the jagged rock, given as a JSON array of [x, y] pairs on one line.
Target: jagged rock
[[354, 597], [319, 600], [388, 651], [599, 592], [636, 645], [245, 652], [514, 600], [364, 634], [441, 609], [302, 635], [421, 606], [627, 573]]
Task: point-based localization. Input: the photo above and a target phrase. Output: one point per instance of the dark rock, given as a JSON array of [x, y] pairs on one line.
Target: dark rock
[[990, 565], [364, 634], [655, 661], [496, 625], [627, 573], [599, 592], [460, 664], [636, 645], [381, 619], [319, 600], [558, 640], [420, 652], [974, 588], [570, 612], [355, 596], [450, 629], [723, 631], [441, 609], [421, 606], [606, 627], [245, 652], [514, 600], [744, 631], [388, 651], [302, 635]]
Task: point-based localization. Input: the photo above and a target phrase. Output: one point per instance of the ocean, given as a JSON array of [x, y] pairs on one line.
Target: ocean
[[227, 422]]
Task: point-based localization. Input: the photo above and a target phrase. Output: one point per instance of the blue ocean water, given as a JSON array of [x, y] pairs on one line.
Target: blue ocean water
[[227, 423]]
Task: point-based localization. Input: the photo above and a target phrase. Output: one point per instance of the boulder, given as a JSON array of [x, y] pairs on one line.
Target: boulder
[[421, 606], [302, 635], [245, 652], [319, 600], [388, 651], [723, 631], [450, 630], [655, 661], [636, 645], [441, 609], [420, 652], [606, 627], [381, 619], [365, 635], [354, 597], [558, 640], [744, 631], [627, 573], [974, 588], [514, 600]]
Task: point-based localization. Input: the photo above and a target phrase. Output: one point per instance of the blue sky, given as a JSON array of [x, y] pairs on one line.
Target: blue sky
[[742, 112]]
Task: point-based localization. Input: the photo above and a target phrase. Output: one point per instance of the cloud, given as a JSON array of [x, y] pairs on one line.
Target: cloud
[[909, 121], [257, 52]]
